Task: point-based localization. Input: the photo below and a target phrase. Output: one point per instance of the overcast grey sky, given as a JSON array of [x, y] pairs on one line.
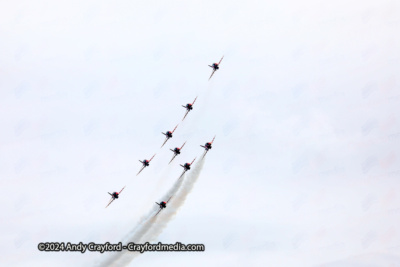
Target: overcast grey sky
[[305, 167]]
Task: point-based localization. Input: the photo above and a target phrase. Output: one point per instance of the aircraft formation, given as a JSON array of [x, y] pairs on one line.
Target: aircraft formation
[[177, 150]]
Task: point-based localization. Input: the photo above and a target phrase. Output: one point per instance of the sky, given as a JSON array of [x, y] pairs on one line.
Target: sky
[[305, 167]]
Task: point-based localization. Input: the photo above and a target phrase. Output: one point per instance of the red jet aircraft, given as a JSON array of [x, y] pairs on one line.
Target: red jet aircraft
[[207, 147], [168, 135], [176, 151], [114, 196], [186, 167], [188, 107], [145, 163], [215, 67], [162, 205]]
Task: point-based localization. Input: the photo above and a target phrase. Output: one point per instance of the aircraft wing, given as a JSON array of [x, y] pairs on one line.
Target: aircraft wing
[[165, 141], [213, 139], [211, 74], [183, 145], [221, 60], [175, 128], [140, 170], [182, 174], [157, 212], [194, 101], [152, 157], [121, 190], [172, 158], [169, 198], [112, 199], [185, 115]]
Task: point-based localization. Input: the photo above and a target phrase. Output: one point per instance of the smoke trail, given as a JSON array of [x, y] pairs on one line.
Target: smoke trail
[[175, 204], [141, 228], [137, 235], [169, 213], [150, 227]]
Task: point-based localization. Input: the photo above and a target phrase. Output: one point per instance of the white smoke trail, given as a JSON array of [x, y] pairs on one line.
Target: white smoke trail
[[146, 225], [175, 204], [150, 227], [140, 229], [169, 213]]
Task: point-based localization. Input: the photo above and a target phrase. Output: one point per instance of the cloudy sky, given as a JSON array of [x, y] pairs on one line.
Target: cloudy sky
[[305, 167]]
